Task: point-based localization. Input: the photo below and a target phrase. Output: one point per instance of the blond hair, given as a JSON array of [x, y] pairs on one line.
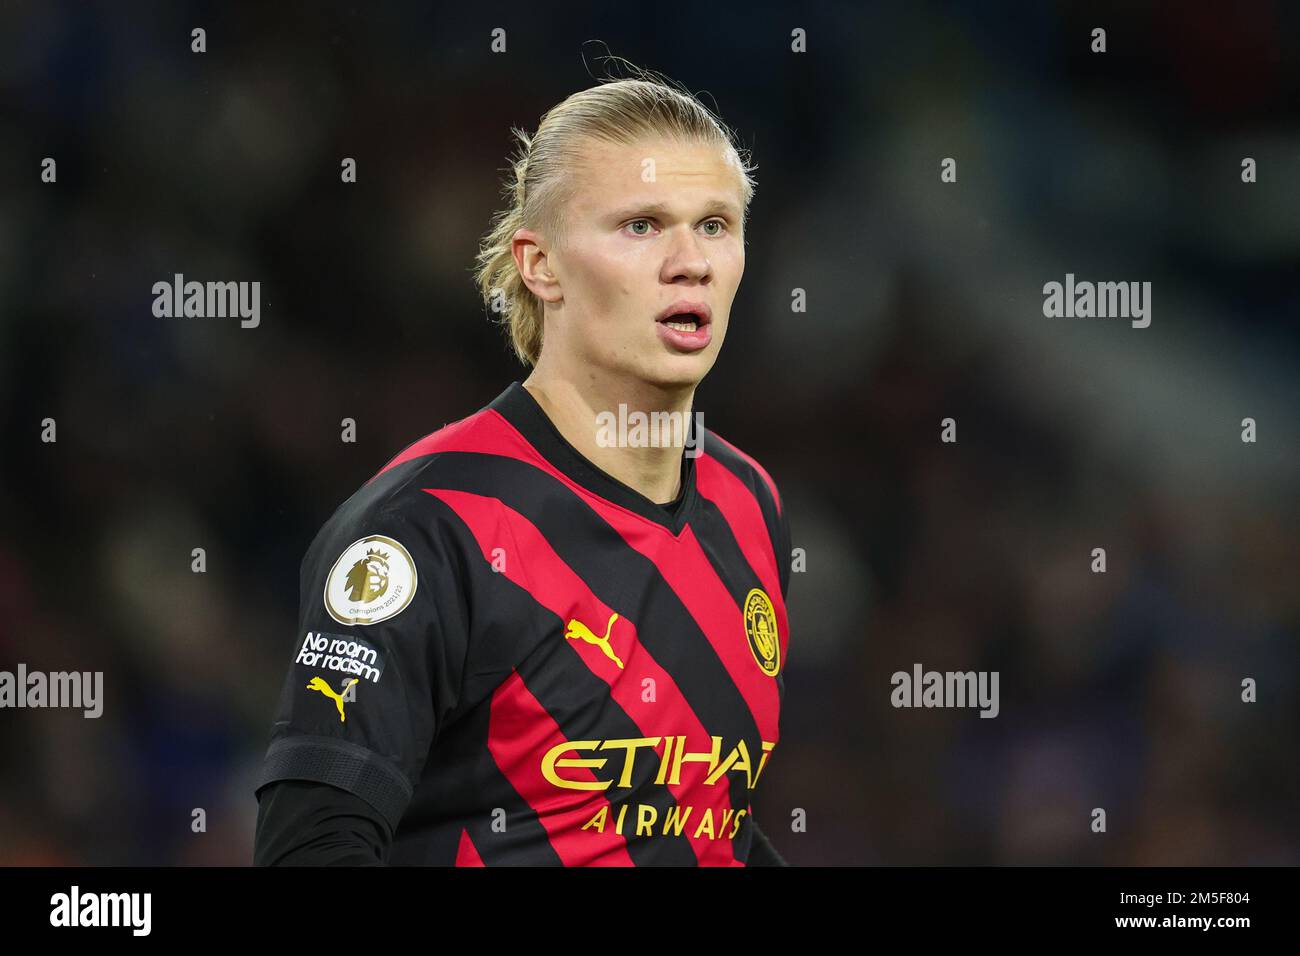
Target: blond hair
[[616, 111]]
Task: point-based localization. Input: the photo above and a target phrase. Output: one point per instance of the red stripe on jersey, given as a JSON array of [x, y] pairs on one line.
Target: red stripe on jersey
[[692, 577], [489, 433], [753, 464], [680, 561], [466, 854], [536, 568], [520, 731], [453, 437], [740, 509]]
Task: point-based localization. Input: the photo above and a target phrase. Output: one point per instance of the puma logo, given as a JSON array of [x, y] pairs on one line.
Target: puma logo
[[577, 629], [318, 683]]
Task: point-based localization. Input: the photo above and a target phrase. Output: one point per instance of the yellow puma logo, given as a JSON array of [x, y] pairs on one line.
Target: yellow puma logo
[[318, 683], [577, 629]]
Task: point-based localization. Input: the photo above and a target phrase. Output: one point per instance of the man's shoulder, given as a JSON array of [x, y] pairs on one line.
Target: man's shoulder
[[391, 494], [729, 476], [742, 466], [481, 432]]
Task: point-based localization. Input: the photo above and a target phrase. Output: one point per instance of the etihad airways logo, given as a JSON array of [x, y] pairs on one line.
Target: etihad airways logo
[[711, 822], [670, 762]]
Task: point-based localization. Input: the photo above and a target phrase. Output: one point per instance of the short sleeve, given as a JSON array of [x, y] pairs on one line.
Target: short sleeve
[[376, 660]]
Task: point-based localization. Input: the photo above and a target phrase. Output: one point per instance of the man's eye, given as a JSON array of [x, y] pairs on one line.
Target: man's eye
[[719, 223], [635, 222]]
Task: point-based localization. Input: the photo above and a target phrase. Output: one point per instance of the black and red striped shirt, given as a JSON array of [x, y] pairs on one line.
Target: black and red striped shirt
[[517, 659]]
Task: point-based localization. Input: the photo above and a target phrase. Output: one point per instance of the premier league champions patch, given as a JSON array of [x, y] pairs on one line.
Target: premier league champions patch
[[373, 579]]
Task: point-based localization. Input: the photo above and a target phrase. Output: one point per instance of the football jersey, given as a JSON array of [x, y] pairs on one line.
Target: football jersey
[[517, 659]]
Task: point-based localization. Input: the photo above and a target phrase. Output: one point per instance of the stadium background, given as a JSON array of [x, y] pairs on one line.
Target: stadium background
[[924, 301]]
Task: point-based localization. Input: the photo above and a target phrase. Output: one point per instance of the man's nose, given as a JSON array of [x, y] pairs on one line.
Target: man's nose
[[686, 259]]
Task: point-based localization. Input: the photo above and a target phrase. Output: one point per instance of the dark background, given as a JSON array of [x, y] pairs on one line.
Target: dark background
[[1118, 690]]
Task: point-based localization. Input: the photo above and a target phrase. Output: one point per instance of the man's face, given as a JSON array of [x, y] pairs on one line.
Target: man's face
[[649, 226]]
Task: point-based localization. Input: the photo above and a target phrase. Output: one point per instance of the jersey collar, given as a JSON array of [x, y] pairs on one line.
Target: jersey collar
[[517, 405]]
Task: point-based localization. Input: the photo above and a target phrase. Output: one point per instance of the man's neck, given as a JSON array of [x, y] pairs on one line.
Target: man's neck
[[654, 471]]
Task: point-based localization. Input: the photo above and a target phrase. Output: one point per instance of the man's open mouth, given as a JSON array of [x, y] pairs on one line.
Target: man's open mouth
[[684, 323], [685, 326], [686, 316]]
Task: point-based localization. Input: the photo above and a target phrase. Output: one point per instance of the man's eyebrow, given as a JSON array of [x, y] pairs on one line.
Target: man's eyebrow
[[712, 207]]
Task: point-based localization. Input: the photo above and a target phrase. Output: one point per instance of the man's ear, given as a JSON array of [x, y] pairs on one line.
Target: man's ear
[[534, 265]]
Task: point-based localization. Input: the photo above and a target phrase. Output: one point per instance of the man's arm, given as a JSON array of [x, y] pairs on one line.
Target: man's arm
[[304, 823], [761, 851], [375, 668]]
